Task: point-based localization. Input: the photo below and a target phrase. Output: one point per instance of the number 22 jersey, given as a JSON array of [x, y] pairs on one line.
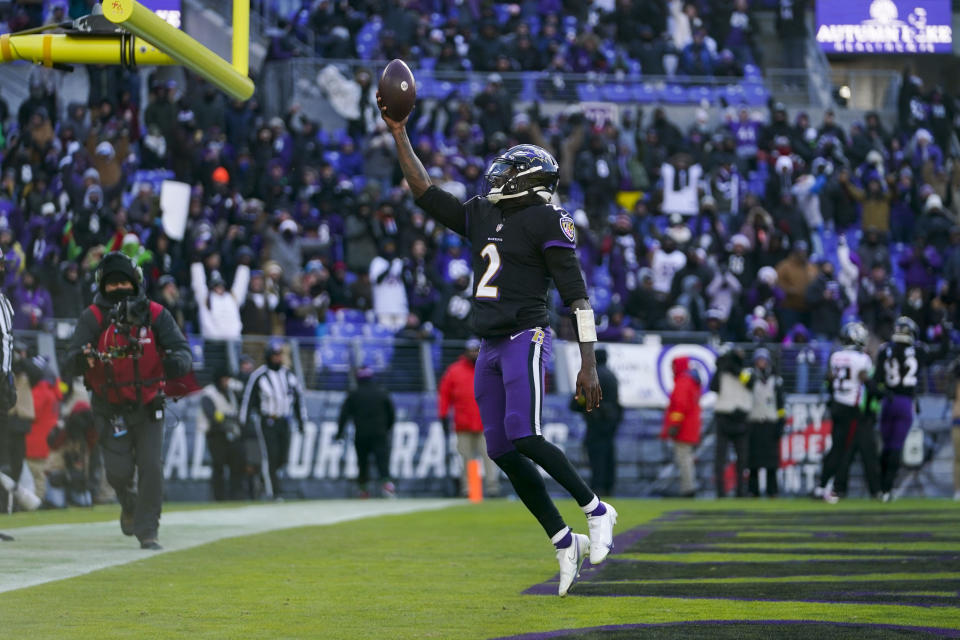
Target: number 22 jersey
[[847, 367]]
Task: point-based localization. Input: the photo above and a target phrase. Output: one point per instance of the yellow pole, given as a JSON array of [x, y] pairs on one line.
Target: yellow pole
[[241, 36], [139, 20], [50, 48]]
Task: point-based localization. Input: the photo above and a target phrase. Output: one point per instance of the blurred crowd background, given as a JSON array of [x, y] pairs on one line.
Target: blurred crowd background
[[754, 223]]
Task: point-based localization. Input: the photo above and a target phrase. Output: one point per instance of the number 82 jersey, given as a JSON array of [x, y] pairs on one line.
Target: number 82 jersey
[[898, 368]]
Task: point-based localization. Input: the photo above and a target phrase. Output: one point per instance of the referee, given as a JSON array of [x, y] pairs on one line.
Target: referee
[[272, 401], [8, 392]]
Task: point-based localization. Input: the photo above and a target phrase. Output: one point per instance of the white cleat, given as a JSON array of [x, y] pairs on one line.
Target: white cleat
[[571, 559], [601, 534], [830, 497]]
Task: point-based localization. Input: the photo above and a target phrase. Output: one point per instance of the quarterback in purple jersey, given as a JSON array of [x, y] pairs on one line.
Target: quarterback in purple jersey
[[520, 242]]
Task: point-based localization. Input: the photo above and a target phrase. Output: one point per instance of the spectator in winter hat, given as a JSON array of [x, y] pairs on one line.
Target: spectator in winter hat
[[739, 260], [925, 150], [68, 300], [645, 304], [935, 223], [286, 248], [826, 300], [32, 303]]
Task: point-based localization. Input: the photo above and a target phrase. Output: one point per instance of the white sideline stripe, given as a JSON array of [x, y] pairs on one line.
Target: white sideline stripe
[[46, 553]]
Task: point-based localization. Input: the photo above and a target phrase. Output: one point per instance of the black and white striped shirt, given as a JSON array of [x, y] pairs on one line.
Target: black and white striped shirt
[[6, 336], [273, 394]]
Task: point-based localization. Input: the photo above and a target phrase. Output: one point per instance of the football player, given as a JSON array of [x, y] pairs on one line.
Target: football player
[[898, 373], [848, 370], [520, 241]]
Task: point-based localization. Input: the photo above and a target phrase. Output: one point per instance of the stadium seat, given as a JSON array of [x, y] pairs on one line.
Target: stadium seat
[[647, 92], [350, 315], [674, 94], [333, 354], [589, 93], [617, 93], [373, 330], [376, 354], [345, 329], [756, 95], [600, 299]]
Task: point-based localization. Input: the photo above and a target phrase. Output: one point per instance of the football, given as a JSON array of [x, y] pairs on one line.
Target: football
[[398, 89]]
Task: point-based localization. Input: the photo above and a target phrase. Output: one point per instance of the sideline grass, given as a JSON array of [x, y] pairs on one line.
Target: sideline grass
[[456, 573]]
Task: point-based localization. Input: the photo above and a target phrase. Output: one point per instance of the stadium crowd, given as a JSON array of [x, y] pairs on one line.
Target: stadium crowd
[[750, 224], [690, 38]]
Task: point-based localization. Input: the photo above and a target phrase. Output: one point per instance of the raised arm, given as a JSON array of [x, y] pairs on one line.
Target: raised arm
[[413, 170], [438, 204]]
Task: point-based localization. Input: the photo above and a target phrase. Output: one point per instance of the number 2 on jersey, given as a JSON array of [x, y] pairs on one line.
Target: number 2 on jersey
[[484, 289]]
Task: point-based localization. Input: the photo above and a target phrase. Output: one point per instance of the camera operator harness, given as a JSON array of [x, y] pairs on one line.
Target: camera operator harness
[[128, 365]]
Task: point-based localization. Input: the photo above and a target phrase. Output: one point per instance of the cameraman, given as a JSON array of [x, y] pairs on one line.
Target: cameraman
[[126, 347]]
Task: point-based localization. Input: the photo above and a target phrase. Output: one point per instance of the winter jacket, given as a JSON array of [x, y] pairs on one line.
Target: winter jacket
[[220, 313], [794, 277], [370, 409], [46, 407], [681, 422], [456, 392]]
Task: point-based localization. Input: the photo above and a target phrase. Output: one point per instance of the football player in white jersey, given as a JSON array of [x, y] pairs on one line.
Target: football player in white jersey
[[848, 370]]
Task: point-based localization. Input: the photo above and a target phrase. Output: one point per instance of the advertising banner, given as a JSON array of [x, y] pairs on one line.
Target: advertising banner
[[644, 370], [424, 462], [885, 26]]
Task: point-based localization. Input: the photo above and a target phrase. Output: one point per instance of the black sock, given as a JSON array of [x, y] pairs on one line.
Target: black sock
[[556, 464], [529, 485]]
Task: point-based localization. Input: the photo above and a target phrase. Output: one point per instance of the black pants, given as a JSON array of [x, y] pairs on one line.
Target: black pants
[[731, 431], [13, 445], [861, 438], [379, 447], [227, 461], [603, 459], [276, 439], [138, 451], [889, 465], [843, 419]]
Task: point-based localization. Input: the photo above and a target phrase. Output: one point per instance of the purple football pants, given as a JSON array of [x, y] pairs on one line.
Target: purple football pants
[[508, 384], [896, 418]]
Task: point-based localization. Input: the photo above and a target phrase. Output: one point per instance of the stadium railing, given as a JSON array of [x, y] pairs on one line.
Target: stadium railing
[[294, 81], [328, 362]]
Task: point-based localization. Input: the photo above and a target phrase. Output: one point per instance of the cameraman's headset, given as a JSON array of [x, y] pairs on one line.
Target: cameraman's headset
[[113, 256]]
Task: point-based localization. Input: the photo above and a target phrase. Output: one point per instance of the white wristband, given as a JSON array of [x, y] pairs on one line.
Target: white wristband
[[586, 325]]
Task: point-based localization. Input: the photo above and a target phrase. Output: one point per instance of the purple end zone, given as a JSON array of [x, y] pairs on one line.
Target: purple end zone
[[546, 635]]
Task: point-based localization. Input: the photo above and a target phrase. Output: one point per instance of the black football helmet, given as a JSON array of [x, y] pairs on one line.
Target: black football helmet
[[905, 330], [522, 171], [855, 335]]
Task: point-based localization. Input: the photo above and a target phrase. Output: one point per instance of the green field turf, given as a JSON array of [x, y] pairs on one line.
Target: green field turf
[[461, 572]]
